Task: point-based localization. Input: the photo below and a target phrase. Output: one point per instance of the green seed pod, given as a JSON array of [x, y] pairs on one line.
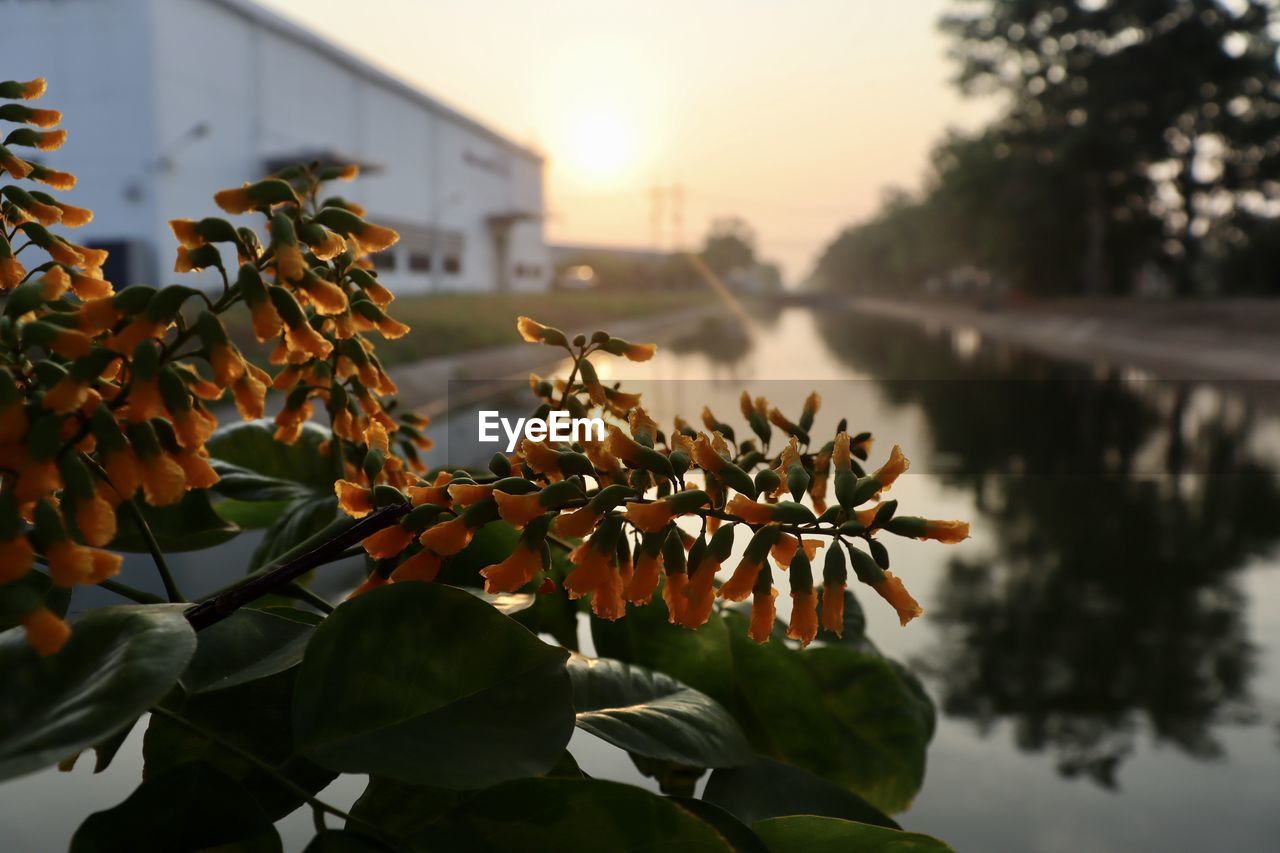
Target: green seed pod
[[44, 439], [286, 306], [764, 539], [384, 495], [846, 489], [865, 566], [834, 567], [174, 391], [797, 481], [910, 526], [801, 572], [514, 486], [864, 490], [374, 461], [76, 479], [500, 465], [558, 494], [884, 513], [421, 517], [695, 553], [789, 512], [688, 500], [767, 480], [673, 556], [721, 544], [879, 553], [610, 497], [679, 462], [735, 478], [133, 299]]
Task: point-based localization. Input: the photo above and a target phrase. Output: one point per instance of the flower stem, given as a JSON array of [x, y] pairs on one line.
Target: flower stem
[[157, 556]]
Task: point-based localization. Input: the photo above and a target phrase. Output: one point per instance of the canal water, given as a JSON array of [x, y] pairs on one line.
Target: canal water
[[1104, 652]]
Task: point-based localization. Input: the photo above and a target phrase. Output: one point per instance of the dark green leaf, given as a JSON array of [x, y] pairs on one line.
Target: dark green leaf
[[401, 809], [251, 446], [768, 788], [253, 717], [805, 834], [701, 659], [427, 684], [248, 644], [555, 815], [191, 524], [193, 806], [852, 718], [345, 841], [298, 523], [118, 663], [652, 714], [737, 833]]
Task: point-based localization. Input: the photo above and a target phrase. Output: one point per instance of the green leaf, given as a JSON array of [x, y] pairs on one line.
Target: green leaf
[[345, 841], [254, 717], [570, 814], [852, 718], [299, 522], [652, 714], [401, 809], [702, 659], [118, 663], [192, 524], [855, 719], [806, 834], [247, 645], [768, 788], [427, 684], [193, 806], [251, 447], [737, 833]]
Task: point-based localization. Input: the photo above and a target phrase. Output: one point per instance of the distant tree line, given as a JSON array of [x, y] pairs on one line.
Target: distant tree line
[[1139, 152], [728, 251]]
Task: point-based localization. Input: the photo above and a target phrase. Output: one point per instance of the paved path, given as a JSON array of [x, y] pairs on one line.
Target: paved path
[[1211, 340]]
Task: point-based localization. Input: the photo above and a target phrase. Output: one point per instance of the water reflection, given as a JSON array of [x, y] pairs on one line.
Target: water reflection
[[1123, 510]]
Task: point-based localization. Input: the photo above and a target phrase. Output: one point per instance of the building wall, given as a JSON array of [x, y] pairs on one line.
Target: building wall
[[264, 91]]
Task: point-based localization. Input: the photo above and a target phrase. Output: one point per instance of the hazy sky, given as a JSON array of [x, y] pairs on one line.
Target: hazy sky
[[794, 115]]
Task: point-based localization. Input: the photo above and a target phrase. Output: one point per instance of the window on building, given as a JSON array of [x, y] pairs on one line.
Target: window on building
[[419, 262], [453, 264], [385, 261]]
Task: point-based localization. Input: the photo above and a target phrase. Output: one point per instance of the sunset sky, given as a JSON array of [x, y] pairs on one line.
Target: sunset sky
[[794, 116]]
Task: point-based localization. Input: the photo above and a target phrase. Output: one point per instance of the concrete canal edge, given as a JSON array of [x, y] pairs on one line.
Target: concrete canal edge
[[1224, 340]]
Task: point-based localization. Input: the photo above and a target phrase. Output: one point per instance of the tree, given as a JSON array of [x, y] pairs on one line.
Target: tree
[[1166, 107], [730, 245]]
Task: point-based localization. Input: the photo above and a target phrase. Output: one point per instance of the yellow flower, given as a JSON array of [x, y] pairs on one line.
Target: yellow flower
[[355, 500], [16, 558], [763, 610], [804, 616], [515, 571], [892, 590], [46, 633], [890, 471], [96, 519], [163, 480], [388, 542], [644, 580], [422, 566], [447, 538], [948, 532], [833, 608]]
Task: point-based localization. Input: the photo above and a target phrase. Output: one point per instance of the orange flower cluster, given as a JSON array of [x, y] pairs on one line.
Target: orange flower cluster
[[615, 507], [104, 394]]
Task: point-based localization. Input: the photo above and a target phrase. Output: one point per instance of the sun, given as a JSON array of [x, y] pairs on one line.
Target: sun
[[598, 146]]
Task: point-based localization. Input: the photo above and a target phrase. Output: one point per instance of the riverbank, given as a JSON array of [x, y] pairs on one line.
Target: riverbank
[[1203, 340]]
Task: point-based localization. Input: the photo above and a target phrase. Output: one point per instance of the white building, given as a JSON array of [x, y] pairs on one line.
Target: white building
[[167, 101]]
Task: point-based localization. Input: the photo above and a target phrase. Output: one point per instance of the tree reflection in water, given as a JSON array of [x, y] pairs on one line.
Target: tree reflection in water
[[1122, 511]]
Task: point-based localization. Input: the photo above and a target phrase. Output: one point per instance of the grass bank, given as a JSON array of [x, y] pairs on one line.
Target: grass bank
[[451, 323]]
